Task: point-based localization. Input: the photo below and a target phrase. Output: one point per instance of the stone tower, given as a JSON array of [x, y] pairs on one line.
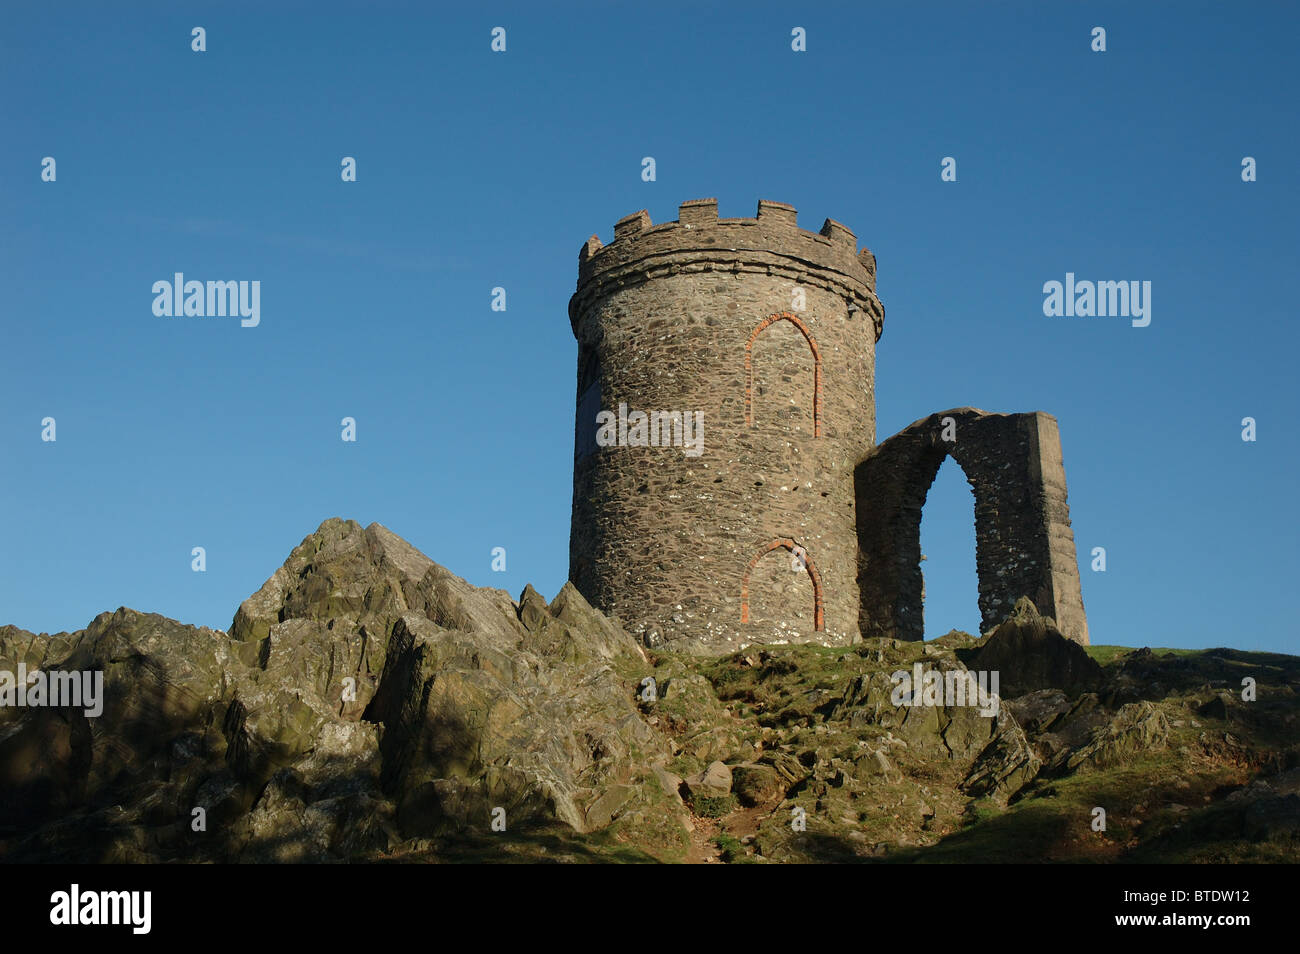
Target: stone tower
[[765, 335]]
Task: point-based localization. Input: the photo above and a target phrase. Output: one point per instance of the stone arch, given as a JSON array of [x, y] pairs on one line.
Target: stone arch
[[1023, 542], [817, 367], [895, 582], [819, 621]]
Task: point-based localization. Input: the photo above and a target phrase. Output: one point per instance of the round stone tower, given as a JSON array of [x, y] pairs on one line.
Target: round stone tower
[[726, 390]]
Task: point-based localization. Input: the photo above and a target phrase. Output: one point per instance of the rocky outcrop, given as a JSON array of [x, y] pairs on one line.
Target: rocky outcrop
[[713, 781], [363, 697], [1031, 654], [1137, 728], [987, 737]]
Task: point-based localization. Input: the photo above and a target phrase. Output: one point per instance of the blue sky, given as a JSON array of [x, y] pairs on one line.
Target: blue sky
[[478, 169]]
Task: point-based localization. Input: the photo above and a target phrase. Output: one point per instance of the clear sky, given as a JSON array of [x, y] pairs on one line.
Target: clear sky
[[478, 169]]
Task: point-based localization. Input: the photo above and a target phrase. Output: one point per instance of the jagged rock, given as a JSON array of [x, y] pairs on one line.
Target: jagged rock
[[967, 731], [31, 650], [372, 577], [607, 805], [958, 730], [789, 768], [1037, 711], [865, 700], [1030, 653], [713, 782], [160, 678], [1258, 821], [1137, 728], [1053, 724], [289, 824], [605, 638], [1006, 765], [703, 727], [1268, 807], [670, 783], [364, 695], [874, 764], [1077, 724], [1282, 784], [470, 728]]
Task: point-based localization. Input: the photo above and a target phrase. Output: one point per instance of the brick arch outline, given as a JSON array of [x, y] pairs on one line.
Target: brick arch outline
[[817, 367], [819, 616]]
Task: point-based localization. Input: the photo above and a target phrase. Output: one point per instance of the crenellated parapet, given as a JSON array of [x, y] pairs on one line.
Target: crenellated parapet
[[770, 244]]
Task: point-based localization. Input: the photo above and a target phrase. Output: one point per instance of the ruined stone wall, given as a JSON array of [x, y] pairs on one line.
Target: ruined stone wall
[[754, 539], [1023, 542]]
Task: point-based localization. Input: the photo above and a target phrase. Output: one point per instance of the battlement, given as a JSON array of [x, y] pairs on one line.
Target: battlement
[[771, 242]]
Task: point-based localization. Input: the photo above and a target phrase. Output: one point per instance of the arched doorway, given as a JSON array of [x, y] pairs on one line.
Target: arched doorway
[[949, 579], [799, 560]]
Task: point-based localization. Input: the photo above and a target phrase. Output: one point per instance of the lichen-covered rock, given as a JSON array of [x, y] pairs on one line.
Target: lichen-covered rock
[[875, 764], [372, 577], [957, 727], [756, 785], [1137, 728], [1037, 711], [714, 781], [1006, 765], [363, 696]]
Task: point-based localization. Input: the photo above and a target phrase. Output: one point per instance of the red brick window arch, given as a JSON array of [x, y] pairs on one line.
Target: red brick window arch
[[817, 367], [819, 616]]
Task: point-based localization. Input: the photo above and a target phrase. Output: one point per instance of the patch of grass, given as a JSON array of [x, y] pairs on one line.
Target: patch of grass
[[1109, 654], [983, 809], [707, 807], [733, 852]]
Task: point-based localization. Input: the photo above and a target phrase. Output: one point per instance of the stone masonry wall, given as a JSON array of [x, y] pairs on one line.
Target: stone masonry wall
[[1024, 544], [753, 540]]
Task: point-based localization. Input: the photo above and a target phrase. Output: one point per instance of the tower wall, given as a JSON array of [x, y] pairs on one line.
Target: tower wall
[[754, 539]]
